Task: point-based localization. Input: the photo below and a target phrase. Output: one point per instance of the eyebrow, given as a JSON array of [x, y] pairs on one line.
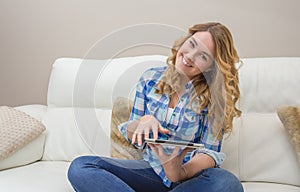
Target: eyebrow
[[194, 40], [202, 51]]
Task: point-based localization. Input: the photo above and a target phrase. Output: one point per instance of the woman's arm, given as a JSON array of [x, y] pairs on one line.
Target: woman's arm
[[175, 171], [197, 164]]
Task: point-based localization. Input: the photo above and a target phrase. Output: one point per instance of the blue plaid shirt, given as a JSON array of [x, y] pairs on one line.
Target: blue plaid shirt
[[183, 124]]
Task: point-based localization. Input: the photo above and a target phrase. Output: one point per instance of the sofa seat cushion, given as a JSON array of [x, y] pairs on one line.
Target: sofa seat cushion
[[268, 187], [40, 176]]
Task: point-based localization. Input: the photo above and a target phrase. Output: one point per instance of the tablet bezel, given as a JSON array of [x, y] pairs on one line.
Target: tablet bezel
[[174, 143]]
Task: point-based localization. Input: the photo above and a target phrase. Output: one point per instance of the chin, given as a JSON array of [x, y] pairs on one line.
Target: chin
[[181, 69]]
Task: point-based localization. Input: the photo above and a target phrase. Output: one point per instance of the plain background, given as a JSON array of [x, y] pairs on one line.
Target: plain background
[[36, 32]]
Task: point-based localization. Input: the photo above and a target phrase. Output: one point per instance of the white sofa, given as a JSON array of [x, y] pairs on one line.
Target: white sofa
[[78, 116]]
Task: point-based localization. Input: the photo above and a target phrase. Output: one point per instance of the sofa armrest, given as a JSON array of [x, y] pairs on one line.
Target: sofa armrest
[[36, 111]]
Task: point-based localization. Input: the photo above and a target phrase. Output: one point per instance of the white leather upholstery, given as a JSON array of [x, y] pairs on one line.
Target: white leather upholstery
[[267, 83], [36, 111], [259, 150], [268, 187], [265, 151], [76, 131], [95, 83], [231, 148], [46, 176]]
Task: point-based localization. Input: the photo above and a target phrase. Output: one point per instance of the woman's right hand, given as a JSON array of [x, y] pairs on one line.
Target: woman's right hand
[[147, 124]]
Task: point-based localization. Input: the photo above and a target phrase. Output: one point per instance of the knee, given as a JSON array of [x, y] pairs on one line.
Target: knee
[[74, 168], [77, 166], [229, 182], [219, 180]]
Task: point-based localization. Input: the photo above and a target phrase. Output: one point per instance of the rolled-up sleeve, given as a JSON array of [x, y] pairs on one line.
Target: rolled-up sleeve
[[218, 157], [212, 144]]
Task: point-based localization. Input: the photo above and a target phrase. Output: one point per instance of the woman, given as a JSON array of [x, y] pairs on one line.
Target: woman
[[192, 99]]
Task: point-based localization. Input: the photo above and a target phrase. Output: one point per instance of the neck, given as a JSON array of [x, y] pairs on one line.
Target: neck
[[183, 81]]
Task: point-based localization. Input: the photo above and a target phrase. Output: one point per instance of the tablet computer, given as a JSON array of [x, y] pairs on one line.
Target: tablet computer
[[175, 143]]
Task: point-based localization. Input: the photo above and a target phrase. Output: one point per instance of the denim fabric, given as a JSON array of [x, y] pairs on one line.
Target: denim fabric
[[93, 174]]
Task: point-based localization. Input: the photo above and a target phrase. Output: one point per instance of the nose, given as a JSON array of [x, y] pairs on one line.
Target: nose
[[189, 56], [188, 59]]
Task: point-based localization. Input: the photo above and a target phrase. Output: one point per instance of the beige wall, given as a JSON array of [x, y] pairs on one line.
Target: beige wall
[[35, 32]]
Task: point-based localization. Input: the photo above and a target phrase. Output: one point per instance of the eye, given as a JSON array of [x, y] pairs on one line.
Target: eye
[[191, 44], [203, 57]]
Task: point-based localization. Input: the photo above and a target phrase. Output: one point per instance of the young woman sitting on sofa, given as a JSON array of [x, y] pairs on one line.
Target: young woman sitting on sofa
[[193, 99]]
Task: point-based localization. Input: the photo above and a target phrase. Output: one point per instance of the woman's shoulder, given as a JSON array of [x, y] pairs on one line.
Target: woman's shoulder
[[153, 73]]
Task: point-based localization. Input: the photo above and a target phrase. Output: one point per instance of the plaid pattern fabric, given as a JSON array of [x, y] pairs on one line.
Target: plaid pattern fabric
[[183, 124]]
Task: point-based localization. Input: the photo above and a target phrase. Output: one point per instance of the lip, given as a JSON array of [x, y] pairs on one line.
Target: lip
[[185, 62]]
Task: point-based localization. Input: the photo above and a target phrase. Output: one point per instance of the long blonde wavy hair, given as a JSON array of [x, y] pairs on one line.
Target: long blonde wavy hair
[[216, 89]]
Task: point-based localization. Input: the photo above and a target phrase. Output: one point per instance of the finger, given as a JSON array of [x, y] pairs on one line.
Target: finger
[[146, 133], [155, 133], [140, 139], [175, 151], [133, 139], [153, 148], [160, 149], [162, 130]]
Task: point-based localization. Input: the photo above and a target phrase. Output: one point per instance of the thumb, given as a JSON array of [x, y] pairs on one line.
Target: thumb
[[162, 130]]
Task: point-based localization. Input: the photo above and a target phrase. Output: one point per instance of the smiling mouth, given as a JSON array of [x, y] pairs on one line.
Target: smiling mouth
[[185, 63]]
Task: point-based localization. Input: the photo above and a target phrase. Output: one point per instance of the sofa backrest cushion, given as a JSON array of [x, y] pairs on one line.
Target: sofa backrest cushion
[[96, 83], [267, 83]]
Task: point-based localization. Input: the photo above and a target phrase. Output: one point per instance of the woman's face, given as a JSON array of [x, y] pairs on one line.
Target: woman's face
[[196, 54]]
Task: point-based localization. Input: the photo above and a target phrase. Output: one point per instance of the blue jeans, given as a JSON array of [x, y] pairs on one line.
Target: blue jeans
[[93, 173]]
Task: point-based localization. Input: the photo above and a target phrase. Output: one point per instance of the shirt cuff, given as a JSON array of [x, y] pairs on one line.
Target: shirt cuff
[[218, 157]]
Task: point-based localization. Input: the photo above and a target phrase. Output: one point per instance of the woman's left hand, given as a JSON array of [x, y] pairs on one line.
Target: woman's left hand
[[172, 163]]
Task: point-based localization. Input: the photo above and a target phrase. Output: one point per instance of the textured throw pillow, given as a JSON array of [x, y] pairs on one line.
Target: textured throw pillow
[[16, 130], [120, 147], [290, 118]]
